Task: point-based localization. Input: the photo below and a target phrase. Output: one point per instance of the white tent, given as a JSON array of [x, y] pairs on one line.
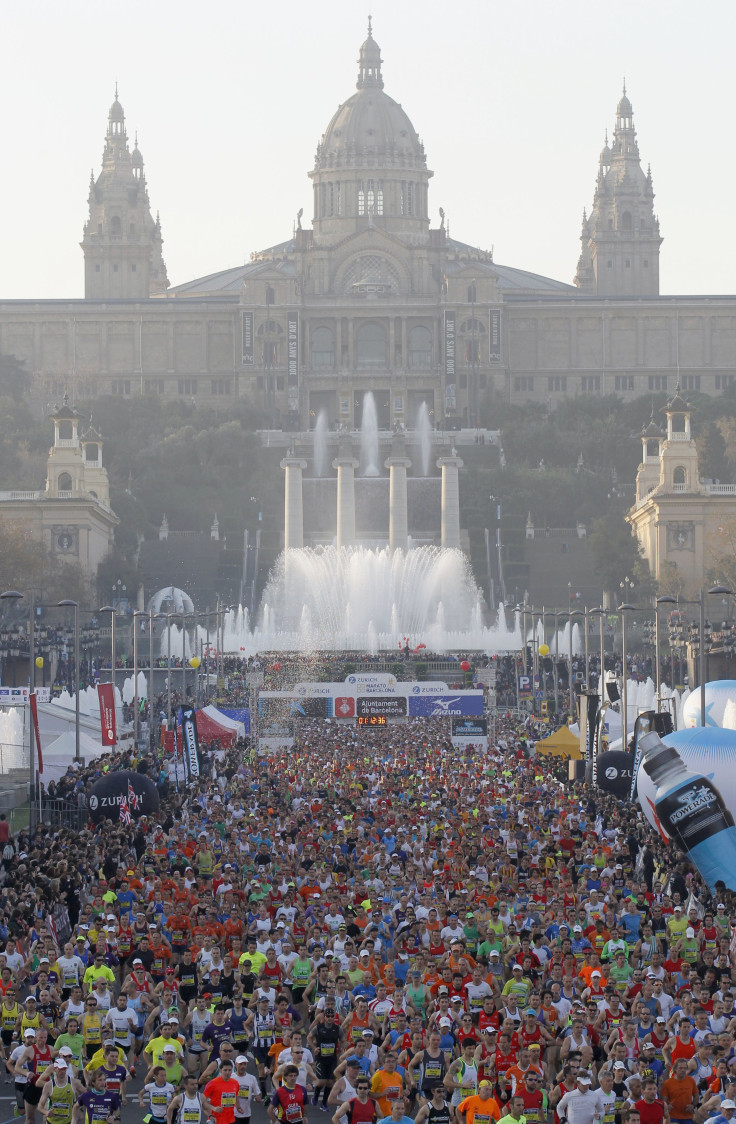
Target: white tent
[[58, 755], [223, 720]]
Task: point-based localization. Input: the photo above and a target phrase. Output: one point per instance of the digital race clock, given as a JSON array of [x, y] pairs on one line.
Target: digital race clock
[[373, 720]]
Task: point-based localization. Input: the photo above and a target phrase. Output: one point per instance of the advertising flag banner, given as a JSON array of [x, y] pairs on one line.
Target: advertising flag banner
[[190, 740], [494, 338], [450, 376], [248, 354], [34, 715], [106, 695]]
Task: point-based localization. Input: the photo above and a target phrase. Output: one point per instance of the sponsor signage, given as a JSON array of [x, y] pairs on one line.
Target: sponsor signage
[[14, 696], [248, 353], [446, 706], [392, 706], [525, 687], [470, 727]]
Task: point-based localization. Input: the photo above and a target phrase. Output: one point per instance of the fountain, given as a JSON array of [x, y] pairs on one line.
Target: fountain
[[424, 434], [320, 444], [357, 593], [369, 437], [357, 598]]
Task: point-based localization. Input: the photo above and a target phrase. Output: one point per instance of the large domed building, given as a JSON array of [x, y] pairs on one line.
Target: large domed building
[[373, 295]]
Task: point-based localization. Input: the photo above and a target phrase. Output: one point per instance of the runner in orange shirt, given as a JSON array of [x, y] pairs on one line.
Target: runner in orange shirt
[[481, 1108]]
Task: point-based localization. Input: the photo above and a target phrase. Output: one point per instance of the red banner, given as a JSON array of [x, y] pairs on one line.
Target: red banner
[[106, 694], [169, 741], [33, 700]]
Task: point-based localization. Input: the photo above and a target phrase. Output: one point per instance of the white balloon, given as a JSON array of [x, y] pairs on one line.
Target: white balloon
[[717, 695]]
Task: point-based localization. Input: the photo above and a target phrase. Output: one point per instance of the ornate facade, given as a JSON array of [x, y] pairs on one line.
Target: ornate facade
[[373, 296], [678, 518], [72, 514]]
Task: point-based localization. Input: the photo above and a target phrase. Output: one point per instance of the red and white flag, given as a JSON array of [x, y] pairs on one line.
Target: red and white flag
[[124, 811], [132, 798]]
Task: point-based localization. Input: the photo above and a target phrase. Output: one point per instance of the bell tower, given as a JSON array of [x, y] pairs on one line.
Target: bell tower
[[64, 468], [122, 242], [679, 455], [620, 237]]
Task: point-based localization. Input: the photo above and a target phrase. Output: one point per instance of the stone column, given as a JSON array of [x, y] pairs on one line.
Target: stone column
[[293, 504], [398, 516], [346, 467], [450, 499]]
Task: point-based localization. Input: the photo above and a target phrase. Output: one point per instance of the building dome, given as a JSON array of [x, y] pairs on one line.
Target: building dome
[[605, 157], [370, 128], [624, 107], [116, 111]]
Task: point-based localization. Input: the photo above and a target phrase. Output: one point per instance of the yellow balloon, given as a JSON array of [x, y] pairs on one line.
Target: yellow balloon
[[194, 662], [39, 661], [544, 649]]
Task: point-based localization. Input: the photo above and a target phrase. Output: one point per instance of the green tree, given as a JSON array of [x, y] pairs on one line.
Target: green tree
[[722, 555], [616, 553], [713, 462]]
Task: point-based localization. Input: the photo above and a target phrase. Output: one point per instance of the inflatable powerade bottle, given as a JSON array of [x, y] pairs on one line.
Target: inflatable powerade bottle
[[692, 811]]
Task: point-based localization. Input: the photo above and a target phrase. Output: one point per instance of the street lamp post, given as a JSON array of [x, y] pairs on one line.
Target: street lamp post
[[136, 705], [67, 603], [664, 600], [623, 610], [584, 614], [111, 610], [702, 657], [16, 595], [600, 613]]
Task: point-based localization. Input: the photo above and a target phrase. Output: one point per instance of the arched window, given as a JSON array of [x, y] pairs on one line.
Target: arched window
[[626, 221], [371, 344], [65, 482], [410, 199], [361, 198], [115, 225], [420, 348], [323, 349], [679, 476]]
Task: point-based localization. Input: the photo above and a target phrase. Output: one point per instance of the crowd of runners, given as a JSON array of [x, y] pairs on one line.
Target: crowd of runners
[[369, 924]]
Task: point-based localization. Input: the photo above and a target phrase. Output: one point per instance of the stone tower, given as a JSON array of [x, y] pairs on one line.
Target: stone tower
[[370, 170], [122, 241], [620, 238]]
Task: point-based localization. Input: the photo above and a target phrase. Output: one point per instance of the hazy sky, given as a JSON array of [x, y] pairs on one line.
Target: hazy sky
[[510, 99]]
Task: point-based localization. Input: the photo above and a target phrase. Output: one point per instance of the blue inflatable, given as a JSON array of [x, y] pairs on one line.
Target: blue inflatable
[[710, 751]]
